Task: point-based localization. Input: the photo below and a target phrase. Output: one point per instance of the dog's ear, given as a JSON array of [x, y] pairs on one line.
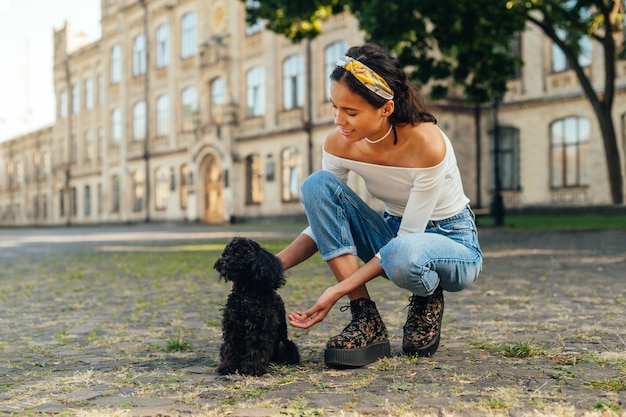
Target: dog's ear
[[268, 269]]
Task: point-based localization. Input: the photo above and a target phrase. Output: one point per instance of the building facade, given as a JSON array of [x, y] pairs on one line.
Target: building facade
[[183, 112]]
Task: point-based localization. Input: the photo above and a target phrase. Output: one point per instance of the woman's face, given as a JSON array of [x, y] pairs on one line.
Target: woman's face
[[355, 117]]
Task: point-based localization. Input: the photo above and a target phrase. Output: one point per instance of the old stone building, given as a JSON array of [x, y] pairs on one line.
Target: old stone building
[[183, 112]]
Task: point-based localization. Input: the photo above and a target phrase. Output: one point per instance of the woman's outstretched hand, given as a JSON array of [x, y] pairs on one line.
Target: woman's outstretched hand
[[317, 313]]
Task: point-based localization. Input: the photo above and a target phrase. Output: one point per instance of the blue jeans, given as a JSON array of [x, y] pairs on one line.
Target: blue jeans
[[447, 254]]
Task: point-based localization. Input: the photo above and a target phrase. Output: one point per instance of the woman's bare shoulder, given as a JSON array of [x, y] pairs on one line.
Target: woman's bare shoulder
[[334, 143]]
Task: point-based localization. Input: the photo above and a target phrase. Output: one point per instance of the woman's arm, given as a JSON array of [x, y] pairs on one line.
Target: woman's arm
[[327, 300], [301, 249]]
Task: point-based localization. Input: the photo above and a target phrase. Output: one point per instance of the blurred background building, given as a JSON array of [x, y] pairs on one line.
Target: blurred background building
[[184, 112]]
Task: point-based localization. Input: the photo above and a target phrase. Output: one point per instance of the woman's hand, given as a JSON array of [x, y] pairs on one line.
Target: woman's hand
[[318, 312]]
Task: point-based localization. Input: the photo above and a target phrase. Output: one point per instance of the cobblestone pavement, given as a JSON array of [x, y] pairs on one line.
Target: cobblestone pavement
[[125, 322]]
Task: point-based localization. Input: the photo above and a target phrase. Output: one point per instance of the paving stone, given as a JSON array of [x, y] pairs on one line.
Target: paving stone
[[80, 344]]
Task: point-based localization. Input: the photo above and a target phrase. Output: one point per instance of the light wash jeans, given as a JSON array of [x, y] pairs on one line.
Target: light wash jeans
[[447, 254]]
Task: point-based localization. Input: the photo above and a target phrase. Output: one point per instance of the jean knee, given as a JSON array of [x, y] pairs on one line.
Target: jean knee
[[315, 183]]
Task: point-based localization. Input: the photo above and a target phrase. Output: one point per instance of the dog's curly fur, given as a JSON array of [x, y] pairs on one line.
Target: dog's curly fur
[[254, 327]]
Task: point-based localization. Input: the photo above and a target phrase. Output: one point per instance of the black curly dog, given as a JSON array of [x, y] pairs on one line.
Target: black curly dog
[[254, 327]]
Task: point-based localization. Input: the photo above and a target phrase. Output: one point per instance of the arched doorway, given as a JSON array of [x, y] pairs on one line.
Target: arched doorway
[[213, 187]]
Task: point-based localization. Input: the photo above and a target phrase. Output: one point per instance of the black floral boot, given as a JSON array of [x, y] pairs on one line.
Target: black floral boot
[[423, 324], [363, 341]]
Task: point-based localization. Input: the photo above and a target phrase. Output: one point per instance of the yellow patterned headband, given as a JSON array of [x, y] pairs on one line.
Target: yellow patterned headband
[[366, 76]]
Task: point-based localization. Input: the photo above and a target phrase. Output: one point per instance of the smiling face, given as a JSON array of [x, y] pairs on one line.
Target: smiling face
[[355, 117]]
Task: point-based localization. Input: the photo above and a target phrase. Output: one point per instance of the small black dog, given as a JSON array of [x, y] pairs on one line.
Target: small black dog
[[254, 326]]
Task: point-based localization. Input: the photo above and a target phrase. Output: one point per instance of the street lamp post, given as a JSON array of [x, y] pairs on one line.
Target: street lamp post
[[497, 207]]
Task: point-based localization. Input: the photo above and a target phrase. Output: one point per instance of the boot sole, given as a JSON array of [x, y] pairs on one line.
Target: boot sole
[[354, 358], [424, 351]]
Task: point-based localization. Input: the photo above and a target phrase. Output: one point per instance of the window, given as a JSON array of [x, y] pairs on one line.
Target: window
[[188, 35], [139, 55], [509, 164], [254, 177], [256, 26], [218, 99], [293, 82], [292, 171], [44, 206], [184, 187], [161, 189], [87, 198], [559, 60], [115, 195], [332, 53], [116, 64], [515, 46], [569, 146], [137, 178], [172, 179], [75, 99], [89, 93], [116, 126], [139, 120], [189, 102], [162, 46], [163, 115], [74, 201], [62, 202], [624, 128], [63, 104], [255, 81]]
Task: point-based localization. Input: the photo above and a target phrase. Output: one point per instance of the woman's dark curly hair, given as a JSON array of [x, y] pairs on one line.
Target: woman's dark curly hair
[[410, 105]]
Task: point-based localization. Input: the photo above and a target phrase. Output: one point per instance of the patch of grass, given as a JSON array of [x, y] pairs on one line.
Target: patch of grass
[[177, 344], [604, 406], [521, 349], [609, 384]]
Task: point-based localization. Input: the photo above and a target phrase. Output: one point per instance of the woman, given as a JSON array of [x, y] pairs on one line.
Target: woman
[[426, 239]]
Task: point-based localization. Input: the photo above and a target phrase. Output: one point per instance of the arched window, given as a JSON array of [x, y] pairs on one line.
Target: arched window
[[293, 82], [116, 64], [291, 174], [569, 146], [116, 126], [87, 198], [138, 179], [189, 103], [163, 115], [332, 53], [218, 99], [161, 188], [115, 194], [162, 46], [509, 161], [188, 35], [139, 120], [255, 88], [139, 55]]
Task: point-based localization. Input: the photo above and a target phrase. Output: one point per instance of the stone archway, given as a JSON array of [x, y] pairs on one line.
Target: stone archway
[[213, 183]]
